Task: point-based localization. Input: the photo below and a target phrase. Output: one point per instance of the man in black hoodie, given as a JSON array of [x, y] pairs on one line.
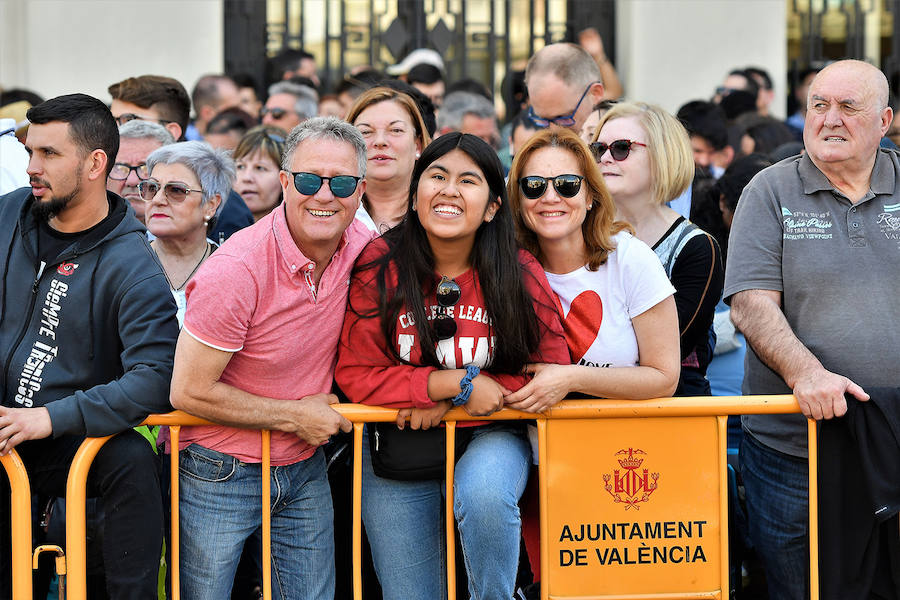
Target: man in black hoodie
[[87, 336]]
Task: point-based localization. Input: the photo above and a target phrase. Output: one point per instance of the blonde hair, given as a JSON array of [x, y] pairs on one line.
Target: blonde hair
[[668, 144], [599, 224], [377, 95]]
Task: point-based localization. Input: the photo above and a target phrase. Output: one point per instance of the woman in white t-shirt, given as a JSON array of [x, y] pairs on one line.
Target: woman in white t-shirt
[[615, 298]]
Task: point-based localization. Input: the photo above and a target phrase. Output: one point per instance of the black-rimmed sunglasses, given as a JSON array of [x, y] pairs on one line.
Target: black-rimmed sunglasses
[[341, 186], [619, 149], [534, 186], [448, 294]]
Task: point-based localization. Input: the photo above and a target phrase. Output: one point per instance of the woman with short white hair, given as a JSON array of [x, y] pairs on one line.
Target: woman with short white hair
[[187, 183]]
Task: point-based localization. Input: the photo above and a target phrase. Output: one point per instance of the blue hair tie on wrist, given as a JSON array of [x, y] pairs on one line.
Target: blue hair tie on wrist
[[465, 385]]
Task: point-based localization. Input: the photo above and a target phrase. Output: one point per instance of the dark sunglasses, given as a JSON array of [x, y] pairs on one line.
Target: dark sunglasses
[[341, 186], [277, 113], [534, 186], [121, 171], [619, 149], [175, 192], [448, 294]]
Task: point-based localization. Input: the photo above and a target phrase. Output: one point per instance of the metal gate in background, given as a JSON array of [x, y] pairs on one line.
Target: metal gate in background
[[823, 30], [481, 39]]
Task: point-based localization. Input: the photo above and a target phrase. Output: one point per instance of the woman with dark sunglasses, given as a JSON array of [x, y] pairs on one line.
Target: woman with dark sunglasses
[[645, 157], [445, 310], [613, 294], [187, 182]]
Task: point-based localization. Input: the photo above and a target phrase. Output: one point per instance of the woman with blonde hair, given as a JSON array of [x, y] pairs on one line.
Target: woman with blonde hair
[[395, 135], [645, 158]]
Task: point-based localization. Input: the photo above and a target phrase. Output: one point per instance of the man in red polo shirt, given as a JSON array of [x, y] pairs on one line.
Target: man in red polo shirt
[[257, 351]]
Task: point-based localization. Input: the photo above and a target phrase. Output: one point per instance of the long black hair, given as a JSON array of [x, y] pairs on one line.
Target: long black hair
[[494, 257]]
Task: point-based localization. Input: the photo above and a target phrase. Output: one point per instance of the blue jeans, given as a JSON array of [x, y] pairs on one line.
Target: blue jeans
[[220, 508], [404, 525], [777, 487]]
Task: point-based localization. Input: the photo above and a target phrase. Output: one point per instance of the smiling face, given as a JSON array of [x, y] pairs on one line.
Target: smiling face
[[318, 221], [846, 116], [257, 183], [453, 199], [631, 177], [555, 218], [391, 143], [166, 218]]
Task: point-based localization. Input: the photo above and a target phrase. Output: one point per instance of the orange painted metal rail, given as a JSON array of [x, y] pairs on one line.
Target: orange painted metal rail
[[359, 414], [20, 517]]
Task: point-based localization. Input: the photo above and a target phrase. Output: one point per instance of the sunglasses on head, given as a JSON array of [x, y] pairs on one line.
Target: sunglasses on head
[[175, 192], [619, 149], [448, 294], [341, 186], [534, 186]]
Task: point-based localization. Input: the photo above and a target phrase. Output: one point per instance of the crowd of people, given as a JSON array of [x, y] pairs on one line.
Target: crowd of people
[[389, 242]]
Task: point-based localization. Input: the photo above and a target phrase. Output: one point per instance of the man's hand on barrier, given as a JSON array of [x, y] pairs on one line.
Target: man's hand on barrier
[[317, 421], [549, 385], [820, 394], [423, 418], [487, 397], [21, 424]]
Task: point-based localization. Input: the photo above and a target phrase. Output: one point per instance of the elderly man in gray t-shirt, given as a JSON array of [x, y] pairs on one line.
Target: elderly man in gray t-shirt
[[812, 281]]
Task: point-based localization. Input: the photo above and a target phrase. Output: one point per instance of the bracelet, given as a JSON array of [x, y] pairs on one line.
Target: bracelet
[[465, 385]]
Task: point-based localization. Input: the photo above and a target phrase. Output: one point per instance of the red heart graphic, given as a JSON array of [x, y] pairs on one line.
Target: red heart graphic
[[582, 323]]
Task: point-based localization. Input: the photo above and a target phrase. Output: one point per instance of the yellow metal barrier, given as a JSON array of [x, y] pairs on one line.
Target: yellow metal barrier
[[20, 519], [359, 414]]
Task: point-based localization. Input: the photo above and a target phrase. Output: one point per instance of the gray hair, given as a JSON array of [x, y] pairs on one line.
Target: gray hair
[[325, 128], [570, 62], [213, 167], [138, 129], [459, 104], [307, 104]]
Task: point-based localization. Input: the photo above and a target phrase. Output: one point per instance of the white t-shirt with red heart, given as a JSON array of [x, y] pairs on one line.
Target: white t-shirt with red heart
[[598, 306]]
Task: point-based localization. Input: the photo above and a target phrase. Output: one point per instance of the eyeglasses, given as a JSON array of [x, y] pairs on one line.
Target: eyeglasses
[[126, 117], [277, 113], [175, 192], [564, 121], [448, 294], [619, 149], [341, 186], [121, 171], [534, 186]]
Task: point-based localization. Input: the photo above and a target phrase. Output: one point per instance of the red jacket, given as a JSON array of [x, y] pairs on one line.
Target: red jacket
[[368, 373]]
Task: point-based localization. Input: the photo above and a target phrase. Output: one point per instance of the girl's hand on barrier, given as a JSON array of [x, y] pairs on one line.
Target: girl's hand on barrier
[[549, 385], [487, 397], [423, 418]]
